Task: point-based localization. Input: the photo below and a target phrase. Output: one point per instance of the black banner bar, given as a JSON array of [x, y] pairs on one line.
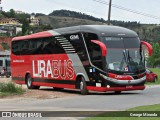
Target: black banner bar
[[30, 114]]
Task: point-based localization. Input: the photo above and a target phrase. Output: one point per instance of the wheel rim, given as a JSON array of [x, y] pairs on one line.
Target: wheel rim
[[81, 85], [29, 81]]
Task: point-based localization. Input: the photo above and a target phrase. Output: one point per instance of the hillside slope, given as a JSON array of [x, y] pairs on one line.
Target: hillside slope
[[58, 22]]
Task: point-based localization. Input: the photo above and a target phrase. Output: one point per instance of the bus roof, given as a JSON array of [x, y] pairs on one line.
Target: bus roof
[[101, 30]]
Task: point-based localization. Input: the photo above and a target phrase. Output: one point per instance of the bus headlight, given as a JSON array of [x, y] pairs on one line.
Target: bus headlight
[[108, 86]]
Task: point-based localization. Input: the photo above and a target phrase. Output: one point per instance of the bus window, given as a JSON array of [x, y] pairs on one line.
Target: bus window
[[33, 44], [39, 46], [51, 46], [93, 49], [35, 47], [16, 47], [79, 47], [95, 55], [24, 47]]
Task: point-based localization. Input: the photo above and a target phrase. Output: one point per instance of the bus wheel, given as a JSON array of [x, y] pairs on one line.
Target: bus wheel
[[29, 83], [117, 92], [36, 87], [55, 88], [83, 87]]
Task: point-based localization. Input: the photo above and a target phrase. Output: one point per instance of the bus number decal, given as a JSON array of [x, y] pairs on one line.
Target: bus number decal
[[55, 68]]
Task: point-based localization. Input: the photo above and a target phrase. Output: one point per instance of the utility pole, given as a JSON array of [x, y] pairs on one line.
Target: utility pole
[[0, 6], [109, 12]]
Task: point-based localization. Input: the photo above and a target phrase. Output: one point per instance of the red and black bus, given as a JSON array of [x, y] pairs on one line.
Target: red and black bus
[[88, 57]]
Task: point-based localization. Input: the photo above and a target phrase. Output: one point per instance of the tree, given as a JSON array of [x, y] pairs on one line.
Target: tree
[[12, 13], [154, 60], [25, 27]]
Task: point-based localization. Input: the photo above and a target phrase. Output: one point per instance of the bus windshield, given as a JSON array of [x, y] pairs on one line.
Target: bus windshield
[[124, 54]]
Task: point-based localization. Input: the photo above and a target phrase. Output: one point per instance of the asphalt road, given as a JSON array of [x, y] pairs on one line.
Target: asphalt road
[[91, 102]]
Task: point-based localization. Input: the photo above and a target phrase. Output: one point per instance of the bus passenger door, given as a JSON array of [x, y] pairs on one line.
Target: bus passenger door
[[94, 49]]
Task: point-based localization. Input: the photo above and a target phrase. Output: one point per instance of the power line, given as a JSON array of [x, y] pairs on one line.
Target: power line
[[127, 9]]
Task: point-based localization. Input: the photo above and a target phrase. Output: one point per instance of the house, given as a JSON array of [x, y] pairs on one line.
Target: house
[[34, 21], [19, 12], [10, 21], [11, 26], [3, 33]]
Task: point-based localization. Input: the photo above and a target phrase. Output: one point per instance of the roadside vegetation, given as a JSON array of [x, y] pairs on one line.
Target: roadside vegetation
[[146, 108], [7, 89], [149, 108]]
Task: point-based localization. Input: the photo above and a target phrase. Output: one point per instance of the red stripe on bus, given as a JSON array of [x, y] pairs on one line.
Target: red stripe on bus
[[104, 89], [36, 35]]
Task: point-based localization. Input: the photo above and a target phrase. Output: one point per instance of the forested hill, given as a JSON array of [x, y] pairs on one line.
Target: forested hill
[[68, 13], [79, 15]]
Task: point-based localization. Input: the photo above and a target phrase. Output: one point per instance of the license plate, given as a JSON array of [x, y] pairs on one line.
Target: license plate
[[130, 86]]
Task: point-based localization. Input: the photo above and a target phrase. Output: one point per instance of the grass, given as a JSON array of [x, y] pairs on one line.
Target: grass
[[10, 88], [141, 109], [148, 108]]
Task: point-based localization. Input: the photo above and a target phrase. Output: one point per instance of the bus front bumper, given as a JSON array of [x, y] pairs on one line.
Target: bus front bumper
[[125, 82], [119, 85], [105, 89]]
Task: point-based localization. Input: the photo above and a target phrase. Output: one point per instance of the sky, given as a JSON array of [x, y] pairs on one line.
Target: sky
[[150, 7]]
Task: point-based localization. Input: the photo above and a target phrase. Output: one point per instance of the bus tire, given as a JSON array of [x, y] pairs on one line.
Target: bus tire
[[83, 86], [56, 88], [30, 83], [117, 92], [36, 87]]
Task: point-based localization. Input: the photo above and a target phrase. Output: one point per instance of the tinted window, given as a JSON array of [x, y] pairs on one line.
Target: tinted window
[[93, 49], [37, 46], [24, 47], [114, 42], [77, 42], [16, 47], [132, 42], [52, 46]]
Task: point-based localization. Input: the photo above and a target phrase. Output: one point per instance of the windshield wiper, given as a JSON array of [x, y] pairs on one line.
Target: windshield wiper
[[124, 59], [129, 58]]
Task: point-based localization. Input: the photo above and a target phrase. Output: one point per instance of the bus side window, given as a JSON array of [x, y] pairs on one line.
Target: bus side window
[[93, 49], [51, 46], [24, 47], [32, 46], [39, 48], [79, 46], [16, 47], [35, 46]]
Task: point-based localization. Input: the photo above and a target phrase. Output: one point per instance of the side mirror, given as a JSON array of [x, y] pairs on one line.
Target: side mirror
[[102, 46], [149, 47]]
